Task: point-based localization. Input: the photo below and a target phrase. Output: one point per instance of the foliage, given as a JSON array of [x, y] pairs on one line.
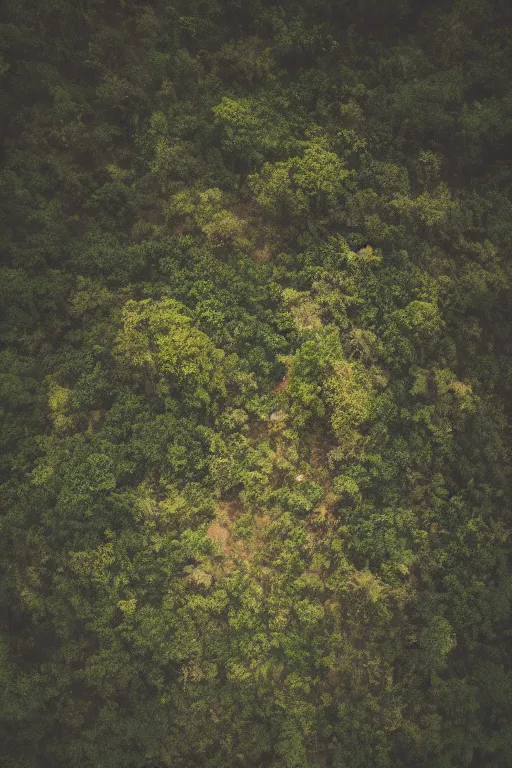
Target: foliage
[[255, 384]]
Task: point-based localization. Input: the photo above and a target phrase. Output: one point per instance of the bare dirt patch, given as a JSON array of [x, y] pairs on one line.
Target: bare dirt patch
[[263, 254], [219, 534]]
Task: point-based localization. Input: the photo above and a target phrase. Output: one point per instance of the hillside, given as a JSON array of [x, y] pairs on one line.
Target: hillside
[[255, 384]]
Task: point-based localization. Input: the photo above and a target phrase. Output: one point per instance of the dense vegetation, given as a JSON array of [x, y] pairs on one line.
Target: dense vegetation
[[256, 380]]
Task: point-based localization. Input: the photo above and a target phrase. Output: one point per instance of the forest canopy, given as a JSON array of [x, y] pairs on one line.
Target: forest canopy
[[255, 384]]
